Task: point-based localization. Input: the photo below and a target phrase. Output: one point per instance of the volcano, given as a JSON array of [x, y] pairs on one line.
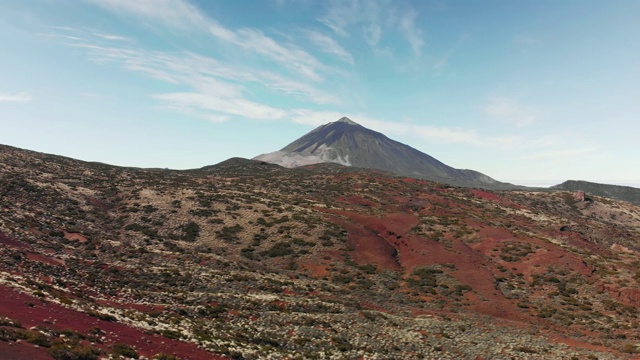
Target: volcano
[[347, 143]]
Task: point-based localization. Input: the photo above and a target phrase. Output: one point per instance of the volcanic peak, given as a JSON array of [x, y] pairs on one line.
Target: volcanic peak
[[346, 120], [348, 143]]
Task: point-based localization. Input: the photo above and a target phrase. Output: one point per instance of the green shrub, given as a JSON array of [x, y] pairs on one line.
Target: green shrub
[[39, 339], [279, 249], [124, 350], [171, 334], [230, 233], [74, 351], [191, 231]]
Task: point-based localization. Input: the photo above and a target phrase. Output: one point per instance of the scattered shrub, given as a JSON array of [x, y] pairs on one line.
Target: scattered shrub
[[191, 231], [124, 350], [74, 351], [279, 249]]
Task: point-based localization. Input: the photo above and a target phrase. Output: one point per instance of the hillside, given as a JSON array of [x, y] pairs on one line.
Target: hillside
[[622, 193], [250, 260]]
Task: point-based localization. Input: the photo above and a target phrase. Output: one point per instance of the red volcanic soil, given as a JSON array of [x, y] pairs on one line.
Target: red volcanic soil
[[374, 239], [5, 240], [386, 242], [14, 305], [44, 259], [75, 236], [485, 194], [493, 197], [357, 200], [22, 350], [369, 247], [409, 180]]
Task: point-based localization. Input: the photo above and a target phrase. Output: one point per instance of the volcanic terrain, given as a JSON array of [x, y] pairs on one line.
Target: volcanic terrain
[[347, 143], [247, 259]]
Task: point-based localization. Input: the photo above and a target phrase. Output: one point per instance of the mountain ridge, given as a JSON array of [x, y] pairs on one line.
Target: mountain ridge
[[348, 143], [617, 192]]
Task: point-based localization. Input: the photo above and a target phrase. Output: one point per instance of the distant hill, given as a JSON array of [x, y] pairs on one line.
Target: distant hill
[[348, 143], [623, 193]]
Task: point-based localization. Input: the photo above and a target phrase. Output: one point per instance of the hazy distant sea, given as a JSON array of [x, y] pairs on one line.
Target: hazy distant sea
[[548, 183]]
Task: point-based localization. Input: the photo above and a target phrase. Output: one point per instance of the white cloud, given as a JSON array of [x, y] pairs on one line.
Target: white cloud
[[68, 37], [174, 13], [509, 110], [111, 37], [181, 14], [339, 16], [290, 56], [373, 20], [196, 71], [217, 90], [330, 46], [20, 97], [412, 33], [230, 105], [442, 62]]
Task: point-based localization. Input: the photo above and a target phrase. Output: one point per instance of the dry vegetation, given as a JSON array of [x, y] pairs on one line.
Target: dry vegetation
[[250, 260]]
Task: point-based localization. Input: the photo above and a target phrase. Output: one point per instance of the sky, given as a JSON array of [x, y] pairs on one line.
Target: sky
[[533, 92]]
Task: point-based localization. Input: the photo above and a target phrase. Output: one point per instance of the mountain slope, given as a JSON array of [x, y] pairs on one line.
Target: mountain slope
[[348, 143], [251, 260], [617, 192]]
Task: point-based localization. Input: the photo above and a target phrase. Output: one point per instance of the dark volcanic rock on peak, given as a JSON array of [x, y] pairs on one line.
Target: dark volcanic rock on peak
[[348, 143]]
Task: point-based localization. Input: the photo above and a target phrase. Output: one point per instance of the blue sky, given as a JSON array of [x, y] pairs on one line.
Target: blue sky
[[534, 92]]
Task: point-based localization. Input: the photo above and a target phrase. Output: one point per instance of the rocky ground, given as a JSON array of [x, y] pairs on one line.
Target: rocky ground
[[249, 260]]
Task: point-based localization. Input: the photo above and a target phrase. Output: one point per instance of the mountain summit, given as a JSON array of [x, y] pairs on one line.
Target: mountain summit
[[347, 143]]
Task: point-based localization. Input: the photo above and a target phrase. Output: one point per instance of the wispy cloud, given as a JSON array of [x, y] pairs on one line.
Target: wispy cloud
[[198, 71], [76, 34], [60, 36], [216, 90], [443, 61], [174, 13], [20, 97], [329, 46], [413, 34], [509, 110], [289, 56], [181, 14], [373, 20], [230, 105], [112, 37], [216, 87]]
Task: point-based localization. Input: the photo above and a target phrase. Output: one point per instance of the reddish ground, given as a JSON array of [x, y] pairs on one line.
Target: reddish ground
[[22, 350], [5, 240], [357, 200], [75, 236], [13, 305], [485, 194]]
